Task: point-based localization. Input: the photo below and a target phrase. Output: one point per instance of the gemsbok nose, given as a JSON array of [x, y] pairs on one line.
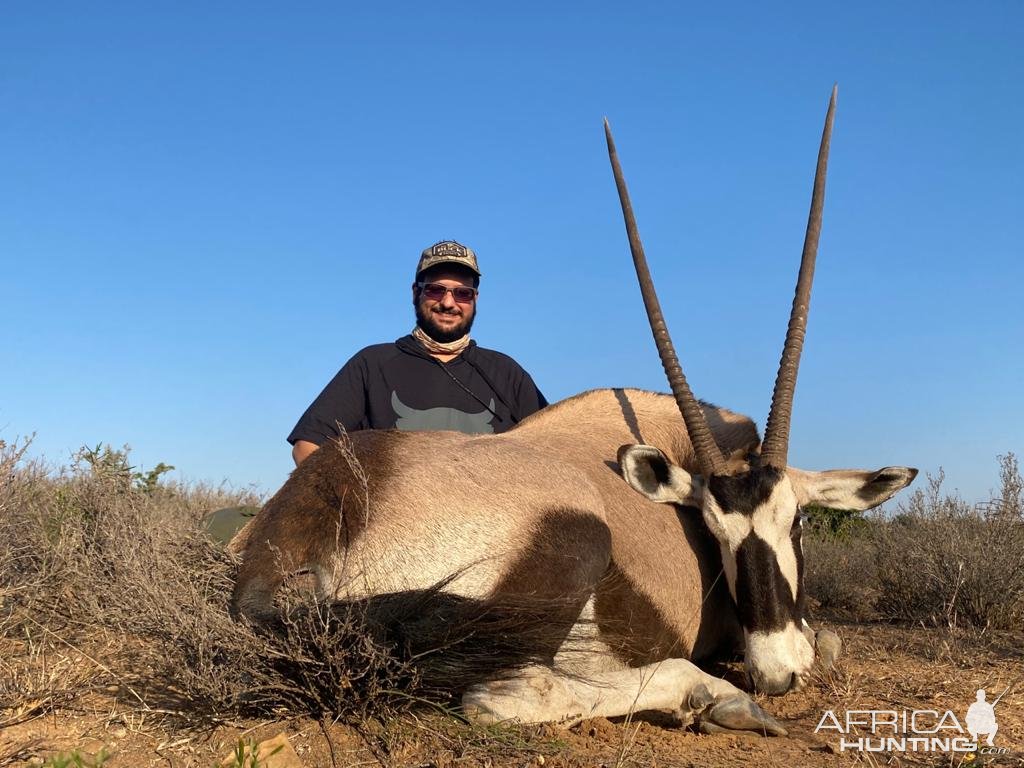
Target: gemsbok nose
[[774, 686]]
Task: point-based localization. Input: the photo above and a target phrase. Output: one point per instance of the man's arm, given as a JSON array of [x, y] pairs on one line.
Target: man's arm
[[342, 402], [301, 450]]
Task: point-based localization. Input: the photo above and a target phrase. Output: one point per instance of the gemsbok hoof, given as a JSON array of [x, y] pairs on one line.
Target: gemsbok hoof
[[739, 713], [827, 647]]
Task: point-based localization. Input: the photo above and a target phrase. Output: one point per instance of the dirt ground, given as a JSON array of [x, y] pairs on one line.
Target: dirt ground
[[883, 667]]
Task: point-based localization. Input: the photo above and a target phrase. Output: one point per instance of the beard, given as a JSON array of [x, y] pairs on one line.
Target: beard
[[425, 320]]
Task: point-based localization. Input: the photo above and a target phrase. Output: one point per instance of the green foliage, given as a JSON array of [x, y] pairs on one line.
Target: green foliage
[[76, 759], [98, 475], [147, 482], [107, 463], [833, 523], [247, 754]]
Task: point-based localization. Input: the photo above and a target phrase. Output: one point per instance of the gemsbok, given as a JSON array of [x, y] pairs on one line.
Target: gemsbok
[[542, 513]]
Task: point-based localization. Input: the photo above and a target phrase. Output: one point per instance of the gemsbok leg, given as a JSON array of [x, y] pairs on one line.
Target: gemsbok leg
[[539, 694]]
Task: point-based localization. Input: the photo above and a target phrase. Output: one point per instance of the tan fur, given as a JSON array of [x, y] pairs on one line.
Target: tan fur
[[444, 503], [663, 560]]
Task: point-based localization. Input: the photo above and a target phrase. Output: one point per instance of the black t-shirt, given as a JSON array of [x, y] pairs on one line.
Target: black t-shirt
[[389, 386]]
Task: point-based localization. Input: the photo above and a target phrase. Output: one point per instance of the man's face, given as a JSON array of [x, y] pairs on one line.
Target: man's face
[[444, 319]]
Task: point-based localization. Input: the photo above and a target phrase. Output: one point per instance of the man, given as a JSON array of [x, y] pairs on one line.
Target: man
[[434, 378]]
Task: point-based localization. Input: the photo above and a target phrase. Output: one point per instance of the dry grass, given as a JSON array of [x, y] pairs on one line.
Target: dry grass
[[94, 559], [938, 560]]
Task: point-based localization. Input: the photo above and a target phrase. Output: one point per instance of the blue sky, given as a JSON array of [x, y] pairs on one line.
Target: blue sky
[[205, 209]]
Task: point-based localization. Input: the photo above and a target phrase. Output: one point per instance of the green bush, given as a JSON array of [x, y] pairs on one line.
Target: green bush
[[826, 522], [937, 560]]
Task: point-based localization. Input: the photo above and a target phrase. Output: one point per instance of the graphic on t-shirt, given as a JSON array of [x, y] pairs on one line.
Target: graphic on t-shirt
[[410, 419]]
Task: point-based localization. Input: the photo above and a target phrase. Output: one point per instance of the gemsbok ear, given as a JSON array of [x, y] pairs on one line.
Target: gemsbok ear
[[849, 488], [649, 471]]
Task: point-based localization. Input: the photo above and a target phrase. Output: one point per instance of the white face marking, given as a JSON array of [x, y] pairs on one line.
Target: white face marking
[[779, 660], [772, 522]]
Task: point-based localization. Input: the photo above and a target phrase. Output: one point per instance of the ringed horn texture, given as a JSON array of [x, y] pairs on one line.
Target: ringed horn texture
[[775, 447], [706, 449]]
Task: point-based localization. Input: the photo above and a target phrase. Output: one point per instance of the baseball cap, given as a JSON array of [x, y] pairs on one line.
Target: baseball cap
[[448, 252]]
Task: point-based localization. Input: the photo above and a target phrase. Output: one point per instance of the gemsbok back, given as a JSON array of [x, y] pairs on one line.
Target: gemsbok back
[[542, 513]]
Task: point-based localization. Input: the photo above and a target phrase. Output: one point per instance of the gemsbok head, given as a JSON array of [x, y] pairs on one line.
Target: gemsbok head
[[751, 504]]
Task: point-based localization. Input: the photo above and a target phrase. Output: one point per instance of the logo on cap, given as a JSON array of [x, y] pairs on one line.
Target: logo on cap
[[449, 248], [448, 252]]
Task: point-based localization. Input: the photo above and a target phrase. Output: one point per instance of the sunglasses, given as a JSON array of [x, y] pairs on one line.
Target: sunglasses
[[436, 292]]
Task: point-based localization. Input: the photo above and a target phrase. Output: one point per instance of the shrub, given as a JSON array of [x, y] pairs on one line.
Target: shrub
[[840, 572], [829, 523], [99, 551], [938, 560], [943, 561]]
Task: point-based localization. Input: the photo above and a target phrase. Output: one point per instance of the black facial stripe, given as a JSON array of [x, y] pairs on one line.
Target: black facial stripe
[[764, 600], [745, 492]]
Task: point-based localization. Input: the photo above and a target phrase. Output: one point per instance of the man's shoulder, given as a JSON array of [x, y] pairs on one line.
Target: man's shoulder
[[494, 358], [377, 352], [385, 347]]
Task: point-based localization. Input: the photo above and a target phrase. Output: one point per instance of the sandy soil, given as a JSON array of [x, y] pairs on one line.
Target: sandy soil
[[882, 668]]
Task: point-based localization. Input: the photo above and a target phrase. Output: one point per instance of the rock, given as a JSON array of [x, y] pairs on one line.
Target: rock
[[221, 525]]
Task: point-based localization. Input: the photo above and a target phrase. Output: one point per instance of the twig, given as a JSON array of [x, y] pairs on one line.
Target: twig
[[179, 713], [99, 664], [330, 741]]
